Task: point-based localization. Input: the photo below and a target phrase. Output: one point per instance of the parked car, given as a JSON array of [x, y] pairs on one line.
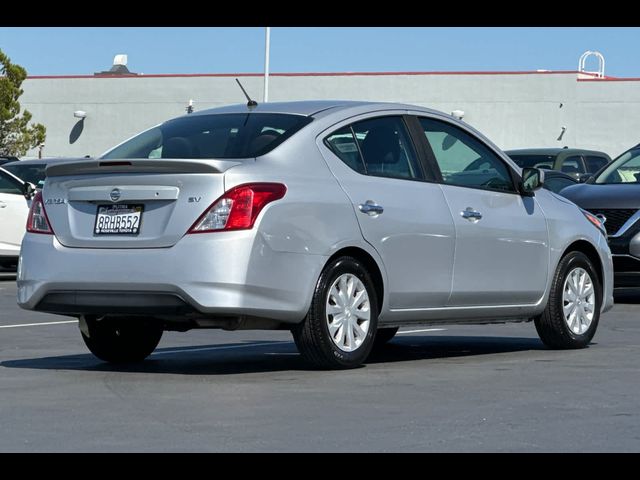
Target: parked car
[[614, 194], [15, 200], [335, 220], [575, 162], [6, 159], [557, 181]]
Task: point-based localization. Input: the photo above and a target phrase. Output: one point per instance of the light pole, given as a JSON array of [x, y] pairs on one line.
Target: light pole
[[266, 64]]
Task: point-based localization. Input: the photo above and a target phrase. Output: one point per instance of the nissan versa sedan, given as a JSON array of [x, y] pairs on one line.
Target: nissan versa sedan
[[339, 221], [614, 195]]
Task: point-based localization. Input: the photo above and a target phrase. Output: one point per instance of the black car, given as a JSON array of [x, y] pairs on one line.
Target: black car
[[33, 170], [557, 181], [613, 193], [576, 162], [6, 159]]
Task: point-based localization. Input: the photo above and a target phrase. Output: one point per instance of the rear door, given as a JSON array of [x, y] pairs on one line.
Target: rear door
[[501, 255], [14, 209], [400, 213]]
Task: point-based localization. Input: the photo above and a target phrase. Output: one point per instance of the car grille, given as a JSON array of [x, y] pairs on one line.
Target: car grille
[[615, 218]]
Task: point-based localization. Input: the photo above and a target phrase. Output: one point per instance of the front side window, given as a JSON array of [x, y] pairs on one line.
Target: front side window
[[624, 169], [594, 163], [379, 146], [9, 185], [230, 135], [464, 160]]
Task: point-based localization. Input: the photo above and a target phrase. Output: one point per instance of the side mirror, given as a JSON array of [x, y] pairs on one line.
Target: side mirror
[[29, 190], [585, 177], [532, 180]]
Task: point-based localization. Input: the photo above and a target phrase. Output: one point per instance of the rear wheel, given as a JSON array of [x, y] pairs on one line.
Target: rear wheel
[[571, 317], [340, 327], [122, 340]]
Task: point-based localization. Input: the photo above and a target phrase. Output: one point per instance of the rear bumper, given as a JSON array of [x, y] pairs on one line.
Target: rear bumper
[[220, 275]]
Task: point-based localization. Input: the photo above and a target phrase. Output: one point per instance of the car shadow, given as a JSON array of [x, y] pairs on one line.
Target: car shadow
[[263, 357], [627, 295]]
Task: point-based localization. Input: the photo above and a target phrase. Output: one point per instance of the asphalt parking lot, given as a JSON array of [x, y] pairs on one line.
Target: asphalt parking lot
[[463, 388]]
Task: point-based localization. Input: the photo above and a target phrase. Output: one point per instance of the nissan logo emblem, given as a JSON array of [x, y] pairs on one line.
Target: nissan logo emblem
[[115, 195]]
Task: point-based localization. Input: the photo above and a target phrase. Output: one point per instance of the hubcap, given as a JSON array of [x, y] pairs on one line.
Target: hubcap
[[578, 300], [348, 312]]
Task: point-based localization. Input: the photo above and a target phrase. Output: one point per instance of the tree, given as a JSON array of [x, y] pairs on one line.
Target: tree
[[16, 135]]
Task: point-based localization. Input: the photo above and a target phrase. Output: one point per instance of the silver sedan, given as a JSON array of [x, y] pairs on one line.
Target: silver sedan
[[340, 221]]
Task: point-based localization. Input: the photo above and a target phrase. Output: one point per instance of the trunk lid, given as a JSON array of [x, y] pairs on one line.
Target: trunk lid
[[171, 195]]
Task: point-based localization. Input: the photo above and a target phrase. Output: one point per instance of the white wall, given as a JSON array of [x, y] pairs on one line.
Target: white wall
[[514, 110]]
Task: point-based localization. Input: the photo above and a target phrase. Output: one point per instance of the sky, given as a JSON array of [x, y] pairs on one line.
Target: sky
[[151, 50]]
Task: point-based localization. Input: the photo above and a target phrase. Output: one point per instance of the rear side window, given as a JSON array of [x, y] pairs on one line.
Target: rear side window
[[231, 135], [344, 145], [537, 161], [28, 172], [9, 185], [595, 163], [380, 147], [573, 165]]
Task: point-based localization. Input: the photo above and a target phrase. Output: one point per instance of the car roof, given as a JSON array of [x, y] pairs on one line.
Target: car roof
[[553, 151], [313, 108]]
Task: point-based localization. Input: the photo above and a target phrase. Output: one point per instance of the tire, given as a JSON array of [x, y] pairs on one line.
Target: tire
[[383, 336], [554, 330], [314, 337], [122, 340]]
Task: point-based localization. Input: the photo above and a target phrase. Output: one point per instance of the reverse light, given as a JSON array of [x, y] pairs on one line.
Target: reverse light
[[595, 221], [37, 221], [238, 208]]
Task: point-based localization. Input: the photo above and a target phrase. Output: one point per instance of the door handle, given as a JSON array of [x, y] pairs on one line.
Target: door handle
[[3, 205], [371, 208], [471, 214]]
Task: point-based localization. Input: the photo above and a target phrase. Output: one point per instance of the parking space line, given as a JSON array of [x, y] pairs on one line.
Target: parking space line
[[38, 324], [219, 347], [420, 331]]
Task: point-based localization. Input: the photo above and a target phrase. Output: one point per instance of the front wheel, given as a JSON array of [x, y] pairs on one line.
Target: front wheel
[[122, 340], [340, 327], [571, 317]]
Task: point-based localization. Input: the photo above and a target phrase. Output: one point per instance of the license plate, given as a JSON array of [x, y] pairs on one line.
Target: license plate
[[118, 220]]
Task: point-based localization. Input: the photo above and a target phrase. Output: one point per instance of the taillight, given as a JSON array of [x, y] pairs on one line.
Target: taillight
[[38, 222], [238, 208]]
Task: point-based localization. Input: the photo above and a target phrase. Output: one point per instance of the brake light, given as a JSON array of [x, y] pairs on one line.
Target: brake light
[[37, 221], [238, 208]]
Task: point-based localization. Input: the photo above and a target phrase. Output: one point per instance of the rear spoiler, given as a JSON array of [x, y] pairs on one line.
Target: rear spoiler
[[144, 165]]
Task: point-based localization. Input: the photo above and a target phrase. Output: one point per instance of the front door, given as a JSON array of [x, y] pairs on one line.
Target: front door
[[502, 251]]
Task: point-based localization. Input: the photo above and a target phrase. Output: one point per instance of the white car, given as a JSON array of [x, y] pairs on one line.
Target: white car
[[15, 201]]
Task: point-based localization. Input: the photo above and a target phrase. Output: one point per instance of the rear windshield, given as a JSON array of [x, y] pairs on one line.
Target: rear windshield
[[28, 172], [231, 135], [537, 161]]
